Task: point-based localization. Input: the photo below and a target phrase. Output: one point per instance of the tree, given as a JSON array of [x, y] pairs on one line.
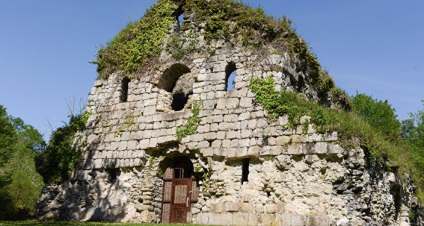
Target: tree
[[20, 184], [378, 114], [413, 133], [60, 157]]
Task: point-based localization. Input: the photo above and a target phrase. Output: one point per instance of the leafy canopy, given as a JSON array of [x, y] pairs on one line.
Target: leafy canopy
[[61, 157], [20, 184]]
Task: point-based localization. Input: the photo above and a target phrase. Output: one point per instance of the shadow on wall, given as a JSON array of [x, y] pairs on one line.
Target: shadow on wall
[[83, 200]]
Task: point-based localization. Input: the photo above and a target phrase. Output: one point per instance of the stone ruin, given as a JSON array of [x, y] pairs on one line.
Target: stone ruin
[[238, 167]]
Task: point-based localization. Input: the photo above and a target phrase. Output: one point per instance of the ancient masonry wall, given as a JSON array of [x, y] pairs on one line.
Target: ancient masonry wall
[[295, 176]]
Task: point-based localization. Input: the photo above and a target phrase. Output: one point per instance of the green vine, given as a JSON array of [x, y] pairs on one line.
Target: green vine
[[192, 123], [349, 125], [138, 43]]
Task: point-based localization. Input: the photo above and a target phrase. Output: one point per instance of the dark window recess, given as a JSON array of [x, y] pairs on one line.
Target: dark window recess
[[245, 171], [230, 75], [179, 100], [124, 89], [179, 173]]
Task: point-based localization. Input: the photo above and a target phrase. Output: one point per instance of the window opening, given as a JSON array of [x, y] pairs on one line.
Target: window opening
[[178, 84], [230, 75], [124, 89], [245, 171], [179, 16], [178, 173], [180, 20], [179, 100]]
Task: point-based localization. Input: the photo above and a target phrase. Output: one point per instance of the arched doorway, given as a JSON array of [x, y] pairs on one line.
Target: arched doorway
[[179, 190]]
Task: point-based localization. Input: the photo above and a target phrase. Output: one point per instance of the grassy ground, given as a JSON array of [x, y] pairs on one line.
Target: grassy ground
[[69, 223]]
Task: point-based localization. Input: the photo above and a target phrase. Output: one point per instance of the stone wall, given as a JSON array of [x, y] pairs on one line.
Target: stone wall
[[295, 176]]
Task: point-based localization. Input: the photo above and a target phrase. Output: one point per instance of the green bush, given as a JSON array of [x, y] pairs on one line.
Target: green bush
[[138, 43], [379, 141], [378, 114], [20, 184], [60, 157]]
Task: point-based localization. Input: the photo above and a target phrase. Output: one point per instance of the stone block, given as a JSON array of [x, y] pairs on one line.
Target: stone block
[[221, 104], [207, 152], [153, 142], [295, 149], [271, 209], [268, 219], [335, 149], [246, 102], [144, 144], [246, 133], [216, 143], [297, 220], [282, 140], [254, 151], [202, 144], [221, 219], [261, 123], [231, 206], [232, 103], [132, 145], [320, 148], [210, 136], [220, 135]]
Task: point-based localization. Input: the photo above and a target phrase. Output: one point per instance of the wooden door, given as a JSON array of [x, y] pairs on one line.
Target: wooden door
[[179, 192], [181, 203]]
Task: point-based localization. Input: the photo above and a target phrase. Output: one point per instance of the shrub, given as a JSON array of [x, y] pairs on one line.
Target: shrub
[[60, 157]]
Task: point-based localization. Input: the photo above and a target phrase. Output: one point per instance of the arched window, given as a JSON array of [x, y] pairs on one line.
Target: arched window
[[124, 89], [230, 75], [179, 85]]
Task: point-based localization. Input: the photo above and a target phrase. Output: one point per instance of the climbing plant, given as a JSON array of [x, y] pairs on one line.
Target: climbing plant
[[138, 43], [192, 122], [350, 125], [61, 157]]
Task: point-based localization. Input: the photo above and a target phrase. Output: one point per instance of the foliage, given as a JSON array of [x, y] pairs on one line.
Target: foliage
[[192, 123], [378, 114], [20, 184], [8, 137], [381, 145], [413, 134], [60, 156], [138, 42]]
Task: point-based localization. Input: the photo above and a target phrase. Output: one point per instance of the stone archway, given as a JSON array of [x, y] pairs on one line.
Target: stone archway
[[179, 190]]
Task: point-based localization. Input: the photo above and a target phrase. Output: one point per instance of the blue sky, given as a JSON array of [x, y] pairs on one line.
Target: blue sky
[[373, 47]]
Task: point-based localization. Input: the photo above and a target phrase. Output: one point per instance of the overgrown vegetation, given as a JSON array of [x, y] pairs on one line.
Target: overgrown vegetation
[[383, 142], [192, 122], [20, 184], [60, 157], [138, 43]]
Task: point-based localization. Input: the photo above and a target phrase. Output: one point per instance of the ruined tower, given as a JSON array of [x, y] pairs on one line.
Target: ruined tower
[[176, 134]]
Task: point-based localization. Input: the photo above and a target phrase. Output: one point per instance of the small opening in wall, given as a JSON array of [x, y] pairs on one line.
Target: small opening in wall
[[230, 75], [124, 89], [245, 171], [179, 16], [179, 100], [180, 19]]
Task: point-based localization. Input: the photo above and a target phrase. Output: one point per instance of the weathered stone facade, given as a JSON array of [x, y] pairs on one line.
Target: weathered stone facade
[[249, 169]]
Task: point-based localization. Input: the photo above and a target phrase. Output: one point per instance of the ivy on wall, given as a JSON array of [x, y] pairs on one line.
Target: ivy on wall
[[138, 43], [383, 147], [192, 123]]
